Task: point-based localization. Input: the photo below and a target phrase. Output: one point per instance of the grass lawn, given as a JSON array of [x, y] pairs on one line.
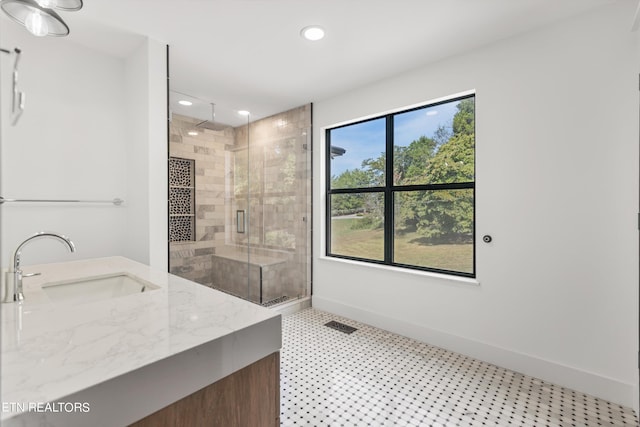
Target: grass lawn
[[409, 248]]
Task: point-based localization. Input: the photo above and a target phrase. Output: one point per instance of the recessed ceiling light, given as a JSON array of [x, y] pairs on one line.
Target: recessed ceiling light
[[185, 102], [243, 112], [193, 133], [312, 32]]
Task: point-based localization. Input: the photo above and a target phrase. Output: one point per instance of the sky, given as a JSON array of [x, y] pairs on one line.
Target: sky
[[366, 140]]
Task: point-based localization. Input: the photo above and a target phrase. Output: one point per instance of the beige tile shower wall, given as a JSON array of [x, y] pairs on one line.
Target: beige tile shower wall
[[193, 260]]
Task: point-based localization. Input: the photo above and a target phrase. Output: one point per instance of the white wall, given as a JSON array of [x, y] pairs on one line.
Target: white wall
[[557, 188], [80, 138], [69, 143], [158, 179], [147, 233]]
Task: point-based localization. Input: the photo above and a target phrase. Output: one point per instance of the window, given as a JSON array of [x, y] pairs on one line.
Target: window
[[401, 189]]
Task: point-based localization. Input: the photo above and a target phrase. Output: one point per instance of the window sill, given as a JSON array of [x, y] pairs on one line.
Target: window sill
[[439, 276]]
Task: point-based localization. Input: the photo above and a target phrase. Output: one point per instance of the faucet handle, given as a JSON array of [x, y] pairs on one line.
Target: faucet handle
[[31, 274]]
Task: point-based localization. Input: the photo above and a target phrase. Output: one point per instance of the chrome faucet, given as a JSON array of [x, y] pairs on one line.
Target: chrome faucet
[[15, 274]]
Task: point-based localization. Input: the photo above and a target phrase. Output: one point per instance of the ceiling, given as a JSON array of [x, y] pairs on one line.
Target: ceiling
[[248, 54]]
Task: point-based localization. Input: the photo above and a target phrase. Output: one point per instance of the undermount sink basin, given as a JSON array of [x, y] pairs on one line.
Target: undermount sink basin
[[96, 288]]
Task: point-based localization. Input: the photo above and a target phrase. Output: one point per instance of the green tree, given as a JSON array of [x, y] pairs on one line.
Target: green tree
[[374, 171], [447, 215], [411, 163], [355, 178], [454, 161], [346, 204], [464, 122], [442, 134]]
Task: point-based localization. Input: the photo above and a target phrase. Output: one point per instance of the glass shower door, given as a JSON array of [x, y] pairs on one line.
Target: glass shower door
[[280, 205], [287, 210]]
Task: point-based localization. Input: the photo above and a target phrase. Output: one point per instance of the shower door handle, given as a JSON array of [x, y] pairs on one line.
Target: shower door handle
[[240, 221]]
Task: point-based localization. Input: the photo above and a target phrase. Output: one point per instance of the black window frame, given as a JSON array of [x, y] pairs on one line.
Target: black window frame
[[390, 189]]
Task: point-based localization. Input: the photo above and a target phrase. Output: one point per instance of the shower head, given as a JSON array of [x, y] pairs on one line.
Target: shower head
[[211, 124]]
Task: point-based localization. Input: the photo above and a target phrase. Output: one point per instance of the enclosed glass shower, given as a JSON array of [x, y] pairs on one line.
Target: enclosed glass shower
[[240, 200]]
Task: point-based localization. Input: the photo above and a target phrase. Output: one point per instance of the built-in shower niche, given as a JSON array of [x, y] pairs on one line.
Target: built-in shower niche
[[181, 200]]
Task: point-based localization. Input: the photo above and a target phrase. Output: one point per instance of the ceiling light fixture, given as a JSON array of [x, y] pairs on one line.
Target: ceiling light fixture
[[193, 133], [38, 16], [312, 32], [243, 112], [185, 103], [64, 5]]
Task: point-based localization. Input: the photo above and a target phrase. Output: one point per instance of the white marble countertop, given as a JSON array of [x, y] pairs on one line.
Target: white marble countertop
[[126, 357]]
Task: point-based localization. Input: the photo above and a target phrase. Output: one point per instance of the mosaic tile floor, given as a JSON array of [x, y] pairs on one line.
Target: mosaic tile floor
[[373, 377]]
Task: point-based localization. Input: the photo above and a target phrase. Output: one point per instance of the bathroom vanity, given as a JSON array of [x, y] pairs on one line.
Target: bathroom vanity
[[112, 342]]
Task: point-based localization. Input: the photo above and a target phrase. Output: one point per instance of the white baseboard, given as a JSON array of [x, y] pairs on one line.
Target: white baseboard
[[586, 382]]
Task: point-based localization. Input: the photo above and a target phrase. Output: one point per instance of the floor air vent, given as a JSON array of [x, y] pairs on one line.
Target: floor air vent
[[341, 327]]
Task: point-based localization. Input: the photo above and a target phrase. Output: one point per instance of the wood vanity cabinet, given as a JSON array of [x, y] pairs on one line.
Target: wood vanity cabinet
[[249, 397]]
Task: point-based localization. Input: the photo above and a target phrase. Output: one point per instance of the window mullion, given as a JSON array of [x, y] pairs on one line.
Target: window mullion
[[328, 203], [388, 193]]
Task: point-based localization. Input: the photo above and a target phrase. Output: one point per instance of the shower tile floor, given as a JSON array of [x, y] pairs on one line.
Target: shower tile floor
[[372, 377]]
